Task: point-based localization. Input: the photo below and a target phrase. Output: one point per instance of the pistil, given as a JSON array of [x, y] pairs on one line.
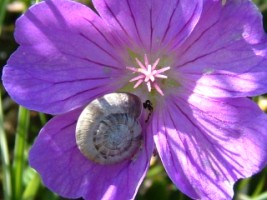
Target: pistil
[[148, 74]]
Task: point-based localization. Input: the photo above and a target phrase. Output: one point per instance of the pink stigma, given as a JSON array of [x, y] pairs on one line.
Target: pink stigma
[[148, 74]]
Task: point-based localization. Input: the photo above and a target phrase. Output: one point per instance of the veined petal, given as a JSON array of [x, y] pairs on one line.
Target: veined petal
[[207, 144], [66, 171], [64, 60], [229, 38], [151, 23], [222, 83]]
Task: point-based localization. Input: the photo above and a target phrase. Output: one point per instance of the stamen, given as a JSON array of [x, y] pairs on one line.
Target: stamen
[[155, 64], [161, 76], [138, 83], [132, 69], [148, 86], [158, 89], [163, 69], [146, 60], [148, 74], [140, 64], [137, 78]]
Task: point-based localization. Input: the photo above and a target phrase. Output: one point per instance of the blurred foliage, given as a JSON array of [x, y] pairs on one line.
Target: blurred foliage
[[21, 182]]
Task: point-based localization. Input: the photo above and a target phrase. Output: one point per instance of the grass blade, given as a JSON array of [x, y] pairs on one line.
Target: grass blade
[[3, 5], [42, 118], [5, 157], [19, 158], [32, 187]]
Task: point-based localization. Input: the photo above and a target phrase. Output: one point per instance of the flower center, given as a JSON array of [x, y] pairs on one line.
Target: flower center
[[148, 74]]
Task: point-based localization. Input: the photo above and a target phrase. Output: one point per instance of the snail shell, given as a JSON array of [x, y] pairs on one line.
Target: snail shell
[[108, 131]]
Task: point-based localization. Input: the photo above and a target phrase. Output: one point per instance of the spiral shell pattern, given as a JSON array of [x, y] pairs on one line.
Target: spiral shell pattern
[[108, 130]]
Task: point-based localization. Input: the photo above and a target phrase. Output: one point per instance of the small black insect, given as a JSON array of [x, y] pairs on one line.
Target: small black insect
[[148, 105]]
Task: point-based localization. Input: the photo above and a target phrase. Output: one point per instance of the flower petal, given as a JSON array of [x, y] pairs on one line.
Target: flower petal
[[66, 171], [221, 83], [151, 24], [63, 60], [207, 144], [227, 48]]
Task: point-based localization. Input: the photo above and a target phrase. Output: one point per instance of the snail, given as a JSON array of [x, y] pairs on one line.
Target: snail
[[108, 130]]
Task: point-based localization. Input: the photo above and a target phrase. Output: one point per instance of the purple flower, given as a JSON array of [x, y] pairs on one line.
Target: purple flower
[[197, 61]]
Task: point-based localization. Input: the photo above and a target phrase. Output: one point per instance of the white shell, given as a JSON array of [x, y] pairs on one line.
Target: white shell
[[108, 131]]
